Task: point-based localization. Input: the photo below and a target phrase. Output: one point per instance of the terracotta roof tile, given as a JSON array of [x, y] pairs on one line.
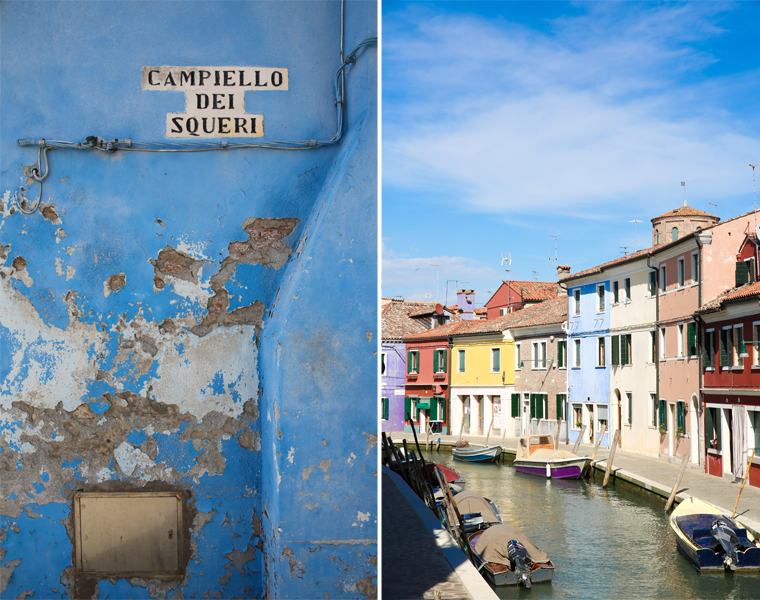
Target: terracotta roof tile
[[738, 293], [396, 320], [617, 261], [684, 211], [444, 331]]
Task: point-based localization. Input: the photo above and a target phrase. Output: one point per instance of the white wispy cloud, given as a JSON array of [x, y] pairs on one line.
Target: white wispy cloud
[[607, 106]]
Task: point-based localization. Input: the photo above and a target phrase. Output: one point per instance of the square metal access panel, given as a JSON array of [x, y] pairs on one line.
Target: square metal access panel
[[128, 533]]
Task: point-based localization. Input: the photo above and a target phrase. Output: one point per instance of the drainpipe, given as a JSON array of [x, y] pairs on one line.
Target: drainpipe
[[657, 328], [447, 396]]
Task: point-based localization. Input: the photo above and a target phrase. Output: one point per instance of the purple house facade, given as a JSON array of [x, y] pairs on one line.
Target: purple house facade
[[399, 319]]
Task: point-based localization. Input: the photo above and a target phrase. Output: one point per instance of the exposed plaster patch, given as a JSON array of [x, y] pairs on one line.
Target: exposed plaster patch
[[48, 211], [19, 271], [369, 336], [306, 472], [6, 573], [238, 558], [47, 365], [114, 283], [295, 564], [371, 441], [70, 272], [291, 455], [58, 267], [325, 465]]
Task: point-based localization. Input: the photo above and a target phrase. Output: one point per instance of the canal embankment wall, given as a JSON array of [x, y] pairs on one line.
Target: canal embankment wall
[[647, 475]]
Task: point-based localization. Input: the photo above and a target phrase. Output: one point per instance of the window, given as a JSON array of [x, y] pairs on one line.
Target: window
[[653, 342], [577, 353], [410, 408], [561, 406], [600, 296], [615, 292], [413, 362], [627, 289], [562, 354], [652, 283], [680, 339], [653, 409], [726, 347], [662, 343], [382, 363], [601, 359], [539, 355], [384, 408], [680, 417], [629, 406], [438, 409], [708, 353], [503, 311], [694, 268], [518, 362], [755, 345], [621, 349], [681, 273], [740, 350], [663, 414], [495, 360], [460, 354], [577, 416], [576, 302], [745, 271], [674, 233], [663, 279], [691, 339], [539, 406], [439, 361], [713, 427]]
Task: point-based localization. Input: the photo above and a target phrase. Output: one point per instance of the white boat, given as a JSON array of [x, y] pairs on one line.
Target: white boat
[[536, 455], [477, 453]]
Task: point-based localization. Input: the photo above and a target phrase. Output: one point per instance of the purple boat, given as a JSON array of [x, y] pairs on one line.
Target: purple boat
[[536, 455]]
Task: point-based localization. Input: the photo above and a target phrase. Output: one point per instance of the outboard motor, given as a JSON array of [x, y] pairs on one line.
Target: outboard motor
[[724, 535], [521, 562]]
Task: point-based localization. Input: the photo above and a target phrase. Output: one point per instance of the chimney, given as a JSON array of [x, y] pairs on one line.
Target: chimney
[[563, 271], [466, 304]]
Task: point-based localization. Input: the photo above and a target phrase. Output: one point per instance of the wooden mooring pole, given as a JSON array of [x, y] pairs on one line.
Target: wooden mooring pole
[[743, 482], [559, 431], [672, 496], [598, 441], [578, 441], [611, 457]]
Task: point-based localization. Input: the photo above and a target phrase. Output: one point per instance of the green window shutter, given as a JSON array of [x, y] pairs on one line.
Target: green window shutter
[[742, 349], [385, 408], [445, 361], [540, 406], [625, 343], [718, 427], [496, 360], [435, 361], [691, 337], [409, 361], [630, 409], [560, 407], [652, 283], [724, 333], [434, 409], [515, 405], [707, 351], [532, 406], [709, 425], [615, 350], [679, 415], [742, 273], [407, 408], [663, 414], [461, 361], [615, 291]]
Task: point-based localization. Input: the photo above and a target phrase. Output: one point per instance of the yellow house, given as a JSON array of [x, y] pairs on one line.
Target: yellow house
[[482, 379]]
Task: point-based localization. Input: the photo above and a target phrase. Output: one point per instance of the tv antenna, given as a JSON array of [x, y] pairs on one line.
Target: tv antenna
[[625, 250], [683, 185], [551, 260], [716, 206], [535, 275], [635, 222]]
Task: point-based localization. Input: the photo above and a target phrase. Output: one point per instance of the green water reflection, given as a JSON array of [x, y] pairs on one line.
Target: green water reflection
[[609, 543]]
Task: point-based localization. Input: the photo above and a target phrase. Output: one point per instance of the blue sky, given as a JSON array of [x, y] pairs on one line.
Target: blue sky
[[505, 123]]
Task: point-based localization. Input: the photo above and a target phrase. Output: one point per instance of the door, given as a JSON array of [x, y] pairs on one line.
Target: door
[[526, 415], [619, 419], [466, 413]]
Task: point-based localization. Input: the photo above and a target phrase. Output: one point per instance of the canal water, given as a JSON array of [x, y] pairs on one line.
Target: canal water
[[611, 543]]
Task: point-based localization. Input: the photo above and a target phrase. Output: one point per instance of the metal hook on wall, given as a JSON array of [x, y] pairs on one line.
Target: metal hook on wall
[[21, 202]]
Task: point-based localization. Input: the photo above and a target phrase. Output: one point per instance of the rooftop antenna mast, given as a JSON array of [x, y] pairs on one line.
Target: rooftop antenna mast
[[683, 185], [754, 204], [436, 281], [716, 206], [635, 222], [535, 275], [554, 262], [625, 250], [508, 260]]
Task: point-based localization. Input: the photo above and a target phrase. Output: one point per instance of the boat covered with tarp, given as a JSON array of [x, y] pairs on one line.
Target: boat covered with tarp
[[477, 512], [536, 455], [453, 479], [712, 540], [507, 556]]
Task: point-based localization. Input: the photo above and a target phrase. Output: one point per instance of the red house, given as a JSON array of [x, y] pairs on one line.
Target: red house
[[731, 375], [428, 364], [516, 295]]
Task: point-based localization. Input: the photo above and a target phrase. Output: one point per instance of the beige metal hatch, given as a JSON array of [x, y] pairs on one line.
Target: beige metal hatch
[[128, 532]]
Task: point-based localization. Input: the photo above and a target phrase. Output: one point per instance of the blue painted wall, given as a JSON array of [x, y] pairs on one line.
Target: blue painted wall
[[589, 383], [169, 320]]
